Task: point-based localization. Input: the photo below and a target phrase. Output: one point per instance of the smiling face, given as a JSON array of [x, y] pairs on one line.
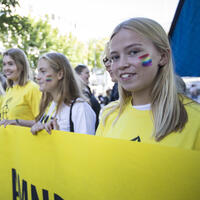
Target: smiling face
[[47, 78], [10, 69], [135, 62]]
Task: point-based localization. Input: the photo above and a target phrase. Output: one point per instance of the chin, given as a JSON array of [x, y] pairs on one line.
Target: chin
[[129, 89], [42, 89]]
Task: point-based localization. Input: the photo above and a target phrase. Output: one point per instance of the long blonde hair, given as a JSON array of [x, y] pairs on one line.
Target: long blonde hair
[[168, 110], [68, 86], [22, 65]]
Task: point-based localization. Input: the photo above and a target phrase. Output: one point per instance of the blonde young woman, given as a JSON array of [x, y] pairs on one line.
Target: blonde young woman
[[150, 109], [20, 104], [62, 106]]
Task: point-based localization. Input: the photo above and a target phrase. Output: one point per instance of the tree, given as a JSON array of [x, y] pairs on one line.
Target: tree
[[9, 21], [95, 51], [36, 37], [42, 38]]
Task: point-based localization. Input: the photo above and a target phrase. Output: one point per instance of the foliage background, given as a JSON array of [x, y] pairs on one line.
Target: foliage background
[[37, 37]]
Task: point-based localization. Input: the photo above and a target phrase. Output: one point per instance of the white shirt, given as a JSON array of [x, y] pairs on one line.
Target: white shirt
[[83, 117], [143, 107]]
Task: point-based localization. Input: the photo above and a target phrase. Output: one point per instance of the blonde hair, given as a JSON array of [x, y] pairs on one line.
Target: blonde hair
[[68, 86], [22, 64], [168, 110]]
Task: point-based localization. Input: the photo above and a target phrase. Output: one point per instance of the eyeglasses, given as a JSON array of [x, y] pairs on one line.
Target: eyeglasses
[[105, 60]]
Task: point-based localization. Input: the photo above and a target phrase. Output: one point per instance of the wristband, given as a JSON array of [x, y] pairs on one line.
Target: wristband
[[17, 121]]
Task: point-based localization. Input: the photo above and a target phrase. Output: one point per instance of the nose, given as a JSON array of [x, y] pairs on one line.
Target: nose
[[38, 77], [123, 62]]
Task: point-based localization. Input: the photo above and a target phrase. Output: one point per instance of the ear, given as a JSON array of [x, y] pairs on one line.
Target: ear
[[164, 58], [60, 75]]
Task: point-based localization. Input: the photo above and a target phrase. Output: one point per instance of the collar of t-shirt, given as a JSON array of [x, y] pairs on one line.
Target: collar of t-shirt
[[143, 107]]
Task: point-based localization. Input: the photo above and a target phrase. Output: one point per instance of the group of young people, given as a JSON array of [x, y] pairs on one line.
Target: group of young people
[[150, 109], [54, 102]]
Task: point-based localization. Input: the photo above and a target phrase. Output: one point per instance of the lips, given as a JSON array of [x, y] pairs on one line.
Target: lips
[[126, 76], [8, 74]]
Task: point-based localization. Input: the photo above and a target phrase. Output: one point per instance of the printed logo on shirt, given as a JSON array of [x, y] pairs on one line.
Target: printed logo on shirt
[[136, 139], [5, 109]]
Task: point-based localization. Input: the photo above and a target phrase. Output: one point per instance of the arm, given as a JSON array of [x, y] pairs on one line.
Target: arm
[[17, 122]]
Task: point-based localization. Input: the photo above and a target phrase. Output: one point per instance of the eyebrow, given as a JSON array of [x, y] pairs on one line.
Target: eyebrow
[[127, 47]]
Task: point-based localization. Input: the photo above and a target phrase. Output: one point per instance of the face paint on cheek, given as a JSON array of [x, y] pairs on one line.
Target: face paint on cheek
[[49, 78], [146, 60]]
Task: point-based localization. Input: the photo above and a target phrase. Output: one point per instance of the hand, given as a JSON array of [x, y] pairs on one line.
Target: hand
[[6, 122], [37, 127], [52, 124]]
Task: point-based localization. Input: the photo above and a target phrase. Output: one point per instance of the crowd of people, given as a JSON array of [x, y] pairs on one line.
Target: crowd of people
[[146, 91]]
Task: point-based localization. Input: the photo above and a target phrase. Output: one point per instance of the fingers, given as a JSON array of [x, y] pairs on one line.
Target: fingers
[[7, 122], [49, 127], [55, 124], [37, 127]]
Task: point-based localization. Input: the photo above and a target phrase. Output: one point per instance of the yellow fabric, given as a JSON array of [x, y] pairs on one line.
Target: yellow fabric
[[21, 102], [84, 167], [1, 98], [135, 123]]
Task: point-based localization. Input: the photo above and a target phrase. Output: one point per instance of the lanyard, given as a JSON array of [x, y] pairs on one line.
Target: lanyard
[[45, 118]]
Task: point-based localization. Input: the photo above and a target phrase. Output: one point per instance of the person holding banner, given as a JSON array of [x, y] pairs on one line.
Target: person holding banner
[[62, 106], [20, 104], [150, 109]]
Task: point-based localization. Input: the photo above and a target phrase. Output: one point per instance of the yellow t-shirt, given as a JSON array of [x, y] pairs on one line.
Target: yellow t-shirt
[[21, 102], [137, 125], [1, 99]]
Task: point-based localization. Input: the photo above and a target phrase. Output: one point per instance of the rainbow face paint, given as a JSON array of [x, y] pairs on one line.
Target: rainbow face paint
[[49, 78], [146, 60]]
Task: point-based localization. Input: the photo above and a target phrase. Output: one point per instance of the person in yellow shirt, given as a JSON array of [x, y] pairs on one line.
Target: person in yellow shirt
[[2, 91], [20, 104], [150, 108]]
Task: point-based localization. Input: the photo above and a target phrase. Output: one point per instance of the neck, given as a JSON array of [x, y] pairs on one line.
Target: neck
[[139, 98], [55, 95], [16, 82]]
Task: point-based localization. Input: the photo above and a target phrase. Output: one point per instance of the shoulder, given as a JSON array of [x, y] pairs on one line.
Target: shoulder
[[81, 106], [111, 105], [114, 105], [80, 103], [31, 90], [31, 84], [192, 107]]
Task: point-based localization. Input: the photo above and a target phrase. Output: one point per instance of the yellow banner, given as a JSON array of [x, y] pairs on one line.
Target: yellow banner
[[83, 167]]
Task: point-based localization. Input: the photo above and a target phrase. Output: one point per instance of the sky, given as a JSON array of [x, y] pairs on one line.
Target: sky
[[89, 19]]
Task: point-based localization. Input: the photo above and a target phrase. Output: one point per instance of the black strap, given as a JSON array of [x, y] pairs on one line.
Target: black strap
[[70, 117]]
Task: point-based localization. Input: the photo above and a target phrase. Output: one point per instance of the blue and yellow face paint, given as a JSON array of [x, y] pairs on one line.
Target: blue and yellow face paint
[[146, 60]]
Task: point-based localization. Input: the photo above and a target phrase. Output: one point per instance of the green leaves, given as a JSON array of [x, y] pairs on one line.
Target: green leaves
[[37, 37]]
